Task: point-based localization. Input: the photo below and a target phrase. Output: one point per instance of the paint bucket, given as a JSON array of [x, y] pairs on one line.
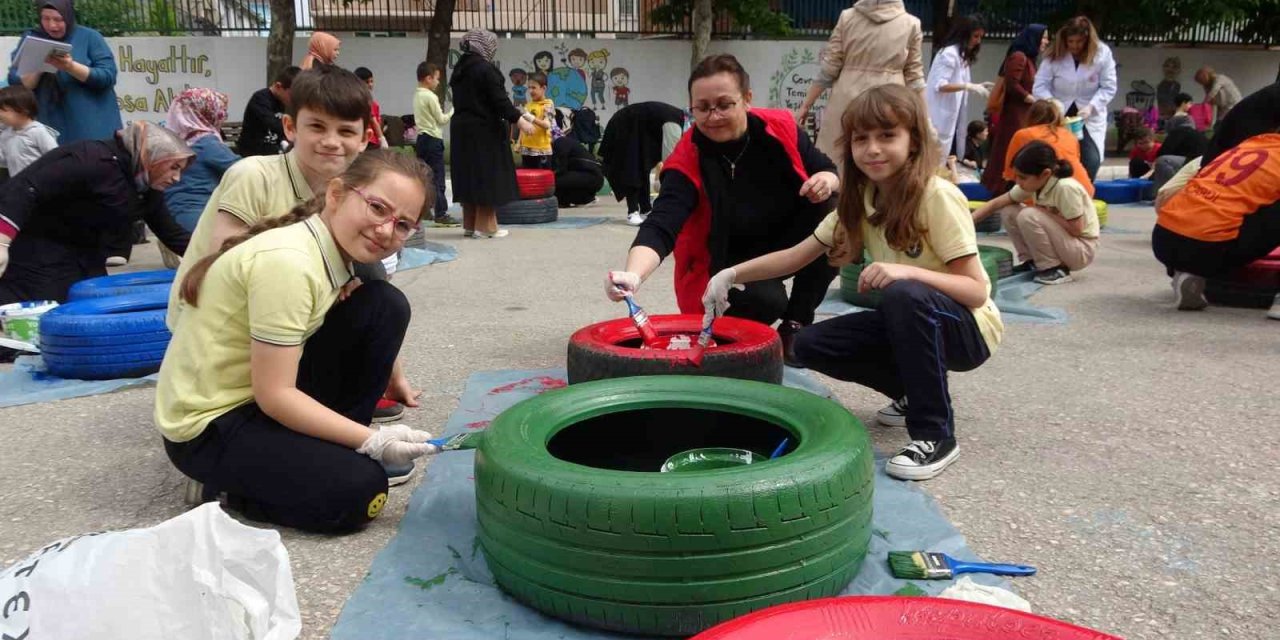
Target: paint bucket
[[20, 321], [1076, 125], [709, 459]]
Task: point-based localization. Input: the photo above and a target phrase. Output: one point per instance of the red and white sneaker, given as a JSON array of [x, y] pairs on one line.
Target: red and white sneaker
[[387, 411]]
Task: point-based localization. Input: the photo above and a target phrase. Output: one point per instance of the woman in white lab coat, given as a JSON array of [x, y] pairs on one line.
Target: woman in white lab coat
[[1080, 72], [946, 90]]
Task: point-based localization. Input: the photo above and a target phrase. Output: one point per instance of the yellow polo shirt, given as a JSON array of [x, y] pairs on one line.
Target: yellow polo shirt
[[1066, 197], [276, 288], [948, 235], [253, 189]]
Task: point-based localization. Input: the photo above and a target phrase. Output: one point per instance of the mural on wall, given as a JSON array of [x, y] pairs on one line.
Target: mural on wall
[[790, 84], [148, 83], [576, 78]]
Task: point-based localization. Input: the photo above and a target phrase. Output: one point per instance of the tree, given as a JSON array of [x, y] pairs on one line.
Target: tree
[[438, 41], [284, 22], [754, 15], [1146, 21]]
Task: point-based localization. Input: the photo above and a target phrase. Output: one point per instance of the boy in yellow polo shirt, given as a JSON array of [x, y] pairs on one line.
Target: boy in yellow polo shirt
[[535, 148], [268, 383]]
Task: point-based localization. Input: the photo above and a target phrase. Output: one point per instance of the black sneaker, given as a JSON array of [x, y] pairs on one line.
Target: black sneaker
[[1025, 267], [923, 459], [399, 475], [893, 415], [787, 331], [446, 220], [1056, 275]]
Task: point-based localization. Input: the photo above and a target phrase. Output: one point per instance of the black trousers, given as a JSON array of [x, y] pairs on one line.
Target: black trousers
[[639, 201], [275, 474], [430, 151], [44, 269], [766, 301], [905, 348], [535, 162], [1138, 167], [1259, 235], [577, 187]]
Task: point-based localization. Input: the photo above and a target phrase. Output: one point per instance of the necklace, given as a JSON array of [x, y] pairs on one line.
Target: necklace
[[733, 164]]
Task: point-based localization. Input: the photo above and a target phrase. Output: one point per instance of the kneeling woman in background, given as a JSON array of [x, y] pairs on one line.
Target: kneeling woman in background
[[275, 369]]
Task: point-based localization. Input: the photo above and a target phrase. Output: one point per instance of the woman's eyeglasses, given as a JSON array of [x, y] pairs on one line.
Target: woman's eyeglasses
[[382, 213], [707, 111]]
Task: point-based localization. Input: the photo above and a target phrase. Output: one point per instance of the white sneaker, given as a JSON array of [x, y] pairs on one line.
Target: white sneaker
[[893, 415], [117, 261], [635, 218], [1188, 292], [500, 233], [1274, 313]]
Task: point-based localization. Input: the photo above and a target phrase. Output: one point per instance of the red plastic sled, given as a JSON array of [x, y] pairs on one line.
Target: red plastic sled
[[894, 618]]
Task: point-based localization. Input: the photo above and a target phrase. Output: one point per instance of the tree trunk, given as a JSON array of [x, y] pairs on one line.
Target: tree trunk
[[438, 42], [280, 41], [703, 16], [942, 12]]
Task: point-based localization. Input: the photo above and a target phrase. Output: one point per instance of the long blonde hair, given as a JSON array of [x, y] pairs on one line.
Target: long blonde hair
[[367, 167], [1077, 26], [886, 107]]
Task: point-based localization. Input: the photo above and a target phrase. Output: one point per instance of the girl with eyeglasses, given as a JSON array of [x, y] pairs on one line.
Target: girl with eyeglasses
[[271, 376], [741, 183]]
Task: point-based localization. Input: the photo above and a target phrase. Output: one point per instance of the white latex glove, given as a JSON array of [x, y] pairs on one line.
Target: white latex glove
[[620, 283], [397, 445], [526, 126], [715, 300], [980, 89], [4, 256], [1084, 112]]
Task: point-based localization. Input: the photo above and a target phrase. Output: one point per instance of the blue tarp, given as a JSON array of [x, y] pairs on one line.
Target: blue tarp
[[431, 581]]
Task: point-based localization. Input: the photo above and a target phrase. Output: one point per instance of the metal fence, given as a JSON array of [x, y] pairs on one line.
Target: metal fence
[[624, 18]]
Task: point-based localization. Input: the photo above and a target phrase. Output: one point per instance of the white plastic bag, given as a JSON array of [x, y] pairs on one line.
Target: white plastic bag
[[201, 575]]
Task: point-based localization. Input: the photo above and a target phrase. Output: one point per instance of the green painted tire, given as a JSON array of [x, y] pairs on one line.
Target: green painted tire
[[672, 553], [997, 262]]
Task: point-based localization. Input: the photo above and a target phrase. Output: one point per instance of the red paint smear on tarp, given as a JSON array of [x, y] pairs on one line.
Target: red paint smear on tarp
[[539, 383], [478, 424]]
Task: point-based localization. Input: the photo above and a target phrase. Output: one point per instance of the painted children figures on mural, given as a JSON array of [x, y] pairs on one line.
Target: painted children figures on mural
[[598, 61], [519, 92], [621, 92]]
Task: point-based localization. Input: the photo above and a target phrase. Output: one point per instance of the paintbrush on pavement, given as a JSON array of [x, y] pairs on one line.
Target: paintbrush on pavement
[[466, 440], [926, 565]]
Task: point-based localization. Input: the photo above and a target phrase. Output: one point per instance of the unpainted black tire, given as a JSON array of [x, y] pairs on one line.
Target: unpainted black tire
[[673, 553], [534, 211], [746, 350]]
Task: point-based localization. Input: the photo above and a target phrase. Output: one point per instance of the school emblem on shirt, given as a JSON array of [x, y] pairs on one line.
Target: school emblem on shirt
[[915, 250], [376, 504]]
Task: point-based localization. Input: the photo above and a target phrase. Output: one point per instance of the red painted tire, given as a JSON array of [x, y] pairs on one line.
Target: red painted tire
[[1253, 286], [894, 618], [535, 183], [744, 349]]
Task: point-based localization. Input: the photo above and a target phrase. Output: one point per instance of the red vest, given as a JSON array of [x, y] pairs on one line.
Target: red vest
[[693, 257]]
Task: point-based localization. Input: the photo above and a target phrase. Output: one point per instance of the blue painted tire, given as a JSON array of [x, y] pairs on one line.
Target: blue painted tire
[[142, 289], [974, 191], [102, 371], [65, 343], [114, 316], [96, 359], [155, 347], [122, 284], [1117, 191]]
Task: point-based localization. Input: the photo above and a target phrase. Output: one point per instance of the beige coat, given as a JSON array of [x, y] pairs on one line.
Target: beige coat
[[875, 42]]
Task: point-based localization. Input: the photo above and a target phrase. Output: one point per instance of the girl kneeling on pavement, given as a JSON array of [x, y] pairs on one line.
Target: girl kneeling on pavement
[[936, 312], [1058, 232], [275, 368]]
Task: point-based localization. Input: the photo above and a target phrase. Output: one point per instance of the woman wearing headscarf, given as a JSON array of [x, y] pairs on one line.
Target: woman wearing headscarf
[[1080, 72], [323, 49], [875, 42], [1019, 73], [947, 89], [196, 116], [79, 99], [484, 174], [55, 215]]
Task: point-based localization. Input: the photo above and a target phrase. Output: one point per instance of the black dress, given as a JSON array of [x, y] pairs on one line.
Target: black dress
[[483, 170], [632, 146]]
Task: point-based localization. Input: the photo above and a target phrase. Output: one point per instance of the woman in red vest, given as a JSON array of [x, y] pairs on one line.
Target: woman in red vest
[[741, 183]]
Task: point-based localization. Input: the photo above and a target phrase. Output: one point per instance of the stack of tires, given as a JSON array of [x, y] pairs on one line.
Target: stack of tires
[[537, 203], [111, 327]]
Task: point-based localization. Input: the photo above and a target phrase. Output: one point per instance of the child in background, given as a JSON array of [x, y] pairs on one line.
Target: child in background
[[1058, 233], [975, 150], [376, 137], [535, 148], [936, 312], [24, 139], [1144, 153], [429, 146]]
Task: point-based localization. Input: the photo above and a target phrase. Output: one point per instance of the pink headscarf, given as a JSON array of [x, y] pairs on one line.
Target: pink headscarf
[[197, 113], [323, 49]]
